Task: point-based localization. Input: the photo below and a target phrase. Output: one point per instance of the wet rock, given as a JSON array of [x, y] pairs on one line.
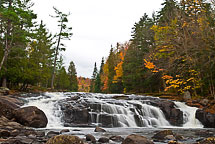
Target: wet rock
[[13, 141], [179, 137], [210, 140], [75, 115], [64, 131], [52, 134], [173, 142], [40, 133], [91, 138], [204, 133], [8, 124], [65, 139], [31, 116], [206, 118], [173, 115], [136, 139], [15, 133], [103, 140], [116, 138], [4, 133], [98, 129], [2, 140], [123, 97], [7, 108], [169, 137], [161, 135], [106, 120]]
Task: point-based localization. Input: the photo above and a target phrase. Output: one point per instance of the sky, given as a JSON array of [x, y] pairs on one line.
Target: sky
[[97, 24]]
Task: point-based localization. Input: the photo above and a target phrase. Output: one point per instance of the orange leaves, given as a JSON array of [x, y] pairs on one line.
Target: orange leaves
[[118, 69], [165, 77], [148, 64], [151, 66]]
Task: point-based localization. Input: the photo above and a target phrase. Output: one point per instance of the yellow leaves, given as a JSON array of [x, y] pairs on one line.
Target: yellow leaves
[[183, 84], [148, 64]]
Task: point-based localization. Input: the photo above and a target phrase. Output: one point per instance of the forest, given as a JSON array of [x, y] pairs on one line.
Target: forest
[[29, 54], [172, 51]]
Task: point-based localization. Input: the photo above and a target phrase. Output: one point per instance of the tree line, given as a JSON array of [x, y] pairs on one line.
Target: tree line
[[29, 53], [171, 51]]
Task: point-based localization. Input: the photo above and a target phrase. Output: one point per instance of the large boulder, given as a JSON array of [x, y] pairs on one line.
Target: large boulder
[[162, 135], [4, 90], [91, 138], [172, 114], [65, 139], [206, 118], [7, 108], [136, 139], [31, 116]]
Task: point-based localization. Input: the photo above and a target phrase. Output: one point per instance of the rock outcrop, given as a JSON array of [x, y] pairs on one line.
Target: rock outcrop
[[31, 116], [7, 108], [206, 118], [172, 114]]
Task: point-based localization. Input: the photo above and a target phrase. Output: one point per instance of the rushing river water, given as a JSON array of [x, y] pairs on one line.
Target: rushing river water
[[128, 113]]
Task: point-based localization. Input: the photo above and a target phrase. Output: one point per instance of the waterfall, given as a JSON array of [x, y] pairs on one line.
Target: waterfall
[[48, 103], [105, 110], [189, 115]]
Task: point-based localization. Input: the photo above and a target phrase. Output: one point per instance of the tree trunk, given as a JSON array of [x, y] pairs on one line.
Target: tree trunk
[[4, 82], [55, 60]]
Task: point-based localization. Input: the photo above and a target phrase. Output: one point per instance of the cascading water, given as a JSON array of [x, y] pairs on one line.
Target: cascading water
[[105, 110], [189, 115], [48, 103]]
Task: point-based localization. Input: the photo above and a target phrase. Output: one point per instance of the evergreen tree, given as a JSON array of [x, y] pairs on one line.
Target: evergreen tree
[[93, 78], [73, 77], [41, 55], [62, 80], [134, 73], [16, 22], [64, 34], [98, 83]]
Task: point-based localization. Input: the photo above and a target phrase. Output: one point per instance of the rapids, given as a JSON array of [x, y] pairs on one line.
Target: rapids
[[108, 110]]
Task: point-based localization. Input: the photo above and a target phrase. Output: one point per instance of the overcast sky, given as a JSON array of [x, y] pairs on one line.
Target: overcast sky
[[97, 24]]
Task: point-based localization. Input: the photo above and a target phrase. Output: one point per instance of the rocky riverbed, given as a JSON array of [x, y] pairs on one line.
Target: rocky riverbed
[[28, 125]]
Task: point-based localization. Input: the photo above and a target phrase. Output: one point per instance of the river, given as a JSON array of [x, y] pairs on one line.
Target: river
[[120, 114]]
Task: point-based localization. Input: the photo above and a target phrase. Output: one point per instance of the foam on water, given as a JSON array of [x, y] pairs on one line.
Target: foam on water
[[48, 103], [124, 113], [189, 116]]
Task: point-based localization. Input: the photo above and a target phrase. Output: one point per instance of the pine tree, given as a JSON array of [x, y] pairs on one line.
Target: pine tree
[[98, 83], [64, 34], [93, 78], [134, 74], [73, 77], [16, 22]]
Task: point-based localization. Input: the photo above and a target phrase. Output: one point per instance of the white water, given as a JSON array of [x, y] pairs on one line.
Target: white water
[[189, 116], [123, 110], [48, 104]]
